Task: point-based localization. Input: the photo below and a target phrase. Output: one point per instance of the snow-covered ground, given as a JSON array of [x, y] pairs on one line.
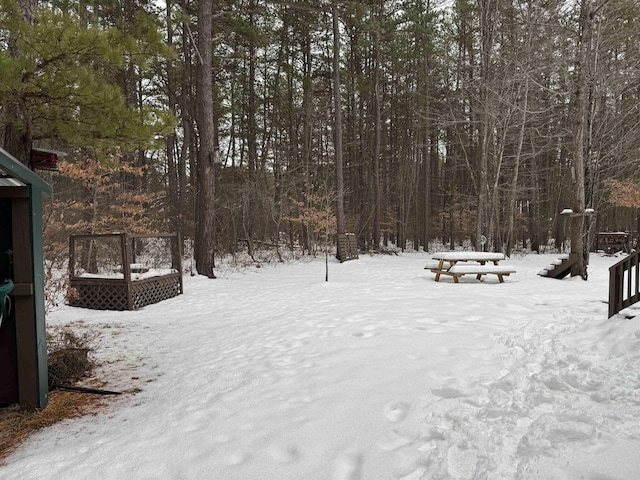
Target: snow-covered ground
[[381, 373]]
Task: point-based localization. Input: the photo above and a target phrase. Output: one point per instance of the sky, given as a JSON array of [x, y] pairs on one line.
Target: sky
[[380, 373]]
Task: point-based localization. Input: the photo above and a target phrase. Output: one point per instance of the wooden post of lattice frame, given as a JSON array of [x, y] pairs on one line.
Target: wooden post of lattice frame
[[72, 257], [125, 248]]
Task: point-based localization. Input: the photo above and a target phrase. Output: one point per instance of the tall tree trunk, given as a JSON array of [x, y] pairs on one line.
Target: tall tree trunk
[[584, 51], [252, 140], [252, 134], [188, 152], [170, 140], [487, 26], [378, 140], [577, 222], [337, 104], [511, 212], [205, 226]]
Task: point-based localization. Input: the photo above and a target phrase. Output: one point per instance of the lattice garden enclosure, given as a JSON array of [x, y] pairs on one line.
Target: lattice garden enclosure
[[121, 271]]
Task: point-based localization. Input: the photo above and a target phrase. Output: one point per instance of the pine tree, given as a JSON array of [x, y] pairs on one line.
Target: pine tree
[[57, 84]]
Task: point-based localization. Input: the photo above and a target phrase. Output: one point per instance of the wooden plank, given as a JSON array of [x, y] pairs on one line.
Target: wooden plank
[[97, 281], [627, 268], [142, 281], [96, 235], [468, 256], [26, 340], [14, 192], [482, 269], [353, 246], [72, 257], [613, 294], [126, 267], [22, 290], [637, 277]]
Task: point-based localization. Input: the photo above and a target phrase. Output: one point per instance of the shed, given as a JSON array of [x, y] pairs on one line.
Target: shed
[[23, 344]]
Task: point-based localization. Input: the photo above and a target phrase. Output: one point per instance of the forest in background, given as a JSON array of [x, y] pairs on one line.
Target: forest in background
[[218, 119]]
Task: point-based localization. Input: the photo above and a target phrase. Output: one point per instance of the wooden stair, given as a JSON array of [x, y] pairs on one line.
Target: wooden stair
[[561, 267]]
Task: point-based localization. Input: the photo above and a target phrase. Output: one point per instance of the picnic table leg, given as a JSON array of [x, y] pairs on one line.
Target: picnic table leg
[[479, 276], [500, 278], [440, 267]]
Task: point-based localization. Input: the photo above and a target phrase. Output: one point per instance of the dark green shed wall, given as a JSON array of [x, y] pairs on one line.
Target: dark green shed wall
[[28, 272]]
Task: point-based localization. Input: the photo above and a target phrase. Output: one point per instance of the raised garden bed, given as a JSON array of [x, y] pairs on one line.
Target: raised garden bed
[[121, 271]]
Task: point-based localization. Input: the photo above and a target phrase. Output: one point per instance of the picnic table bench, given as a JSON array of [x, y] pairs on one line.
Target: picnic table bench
[[458, 264]]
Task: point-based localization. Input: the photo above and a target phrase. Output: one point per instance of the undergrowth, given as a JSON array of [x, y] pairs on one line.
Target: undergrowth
[[70, 360]]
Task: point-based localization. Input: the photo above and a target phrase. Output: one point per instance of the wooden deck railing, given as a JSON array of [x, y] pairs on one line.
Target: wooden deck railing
[[624, 283]]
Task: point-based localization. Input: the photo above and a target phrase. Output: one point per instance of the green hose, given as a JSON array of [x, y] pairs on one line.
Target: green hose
[[5, 289]]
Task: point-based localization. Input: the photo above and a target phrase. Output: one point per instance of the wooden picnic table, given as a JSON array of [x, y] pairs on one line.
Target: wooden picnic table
[[458, 264]]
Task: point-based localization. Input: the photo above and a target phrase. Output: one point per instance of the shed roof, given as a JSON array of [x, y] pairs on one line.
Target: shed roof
[[16, 170]]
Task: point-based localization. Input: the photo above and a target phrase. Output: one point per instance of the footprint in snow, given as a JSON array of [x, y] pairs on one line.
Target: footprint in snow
[[393, 441], [448, 392], [284, 454], [415, 475], [237, 458], [348, 466], [396, 411], [363, 334]]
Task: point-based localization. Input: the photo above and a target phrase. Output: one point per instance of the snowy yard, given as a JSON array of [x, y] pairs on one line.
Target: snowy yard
[[381, 373]]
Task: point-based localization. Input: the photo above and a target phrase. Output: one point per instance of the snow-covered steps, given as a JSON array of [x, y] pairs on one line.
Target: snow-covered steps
[[561, 267]]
